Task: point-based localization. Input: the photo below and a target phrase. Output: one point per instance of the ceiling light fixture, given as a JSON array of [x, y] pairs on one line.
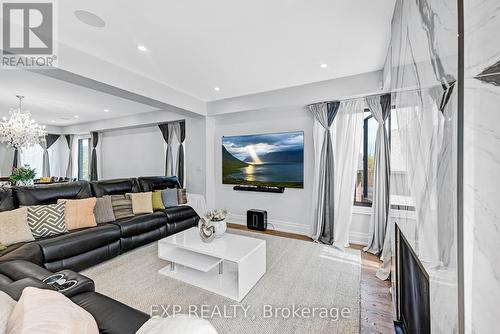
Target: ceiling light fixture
[[106, 110], [90, 18], [323, 65], [52, 121], [76, 116], [142, 48], [216, 89]]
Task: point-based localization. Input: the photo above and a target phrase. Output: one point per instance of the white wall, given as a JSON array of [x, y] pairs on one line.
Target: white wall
[[279, 111]]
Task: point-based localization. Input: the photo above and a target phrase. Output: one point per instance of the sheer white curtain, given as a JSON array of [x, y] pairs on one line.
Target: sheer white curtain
[[347, 131], [347, 136], [33, 156], [174, 133]]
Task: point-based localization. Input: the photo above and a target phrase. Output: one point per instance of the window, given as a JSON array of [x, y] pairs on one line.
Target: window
[[363, 193], [84, 159]]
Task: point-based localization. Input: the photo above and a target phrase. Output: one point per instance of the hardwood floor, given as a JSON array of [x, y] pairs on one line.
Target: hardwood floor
[[376, 304]]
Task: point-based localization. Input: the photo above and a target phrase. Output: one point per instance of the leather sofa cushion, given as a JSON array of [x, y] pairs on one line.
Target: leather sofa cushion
[[50, 193], [114, 187], [111, 316], [19, 269], [6, 199], [141, 224], [78, 242], [152, 183], [178, 213], [28, 251]]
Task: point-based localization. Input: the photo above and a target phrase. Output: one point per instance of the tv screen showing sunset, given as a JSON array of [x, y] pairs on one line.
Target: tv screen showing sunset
[[275, 159]]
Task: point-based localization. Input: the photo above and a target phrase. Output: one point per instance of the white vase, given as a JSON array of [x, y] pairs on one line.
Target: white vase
[[220, 228], [24, 183]]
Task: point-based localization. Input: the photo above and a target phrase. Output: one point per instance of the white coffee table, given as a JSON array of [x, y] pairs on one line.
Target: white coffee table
[[229, 266]]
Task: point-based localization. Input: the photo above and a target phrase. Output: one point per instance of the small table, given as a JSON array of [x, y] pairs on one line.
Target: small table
[[229, 266]]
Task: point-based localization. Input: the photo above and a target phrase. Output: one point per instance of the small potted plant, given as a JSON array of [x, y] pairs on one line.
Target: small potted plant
[[218, 219], [23, 176]]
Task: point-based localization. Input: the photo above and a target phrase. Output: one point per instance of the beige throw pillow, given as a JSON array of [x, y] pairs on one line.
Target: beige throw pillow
[[6, 306], [79, 213], [141, 202], [14, 227], [48, 311]]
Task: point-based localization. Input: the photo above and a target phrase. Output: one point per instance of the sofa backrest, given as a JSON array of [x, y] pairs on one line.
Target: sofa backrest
[[6, 199], [152, 183], [114, 187], [50, 193]]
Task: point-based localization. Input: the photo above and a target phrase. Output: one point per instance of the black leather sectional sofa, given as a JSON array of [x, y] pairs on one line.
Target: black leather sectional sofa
[[27, 264]]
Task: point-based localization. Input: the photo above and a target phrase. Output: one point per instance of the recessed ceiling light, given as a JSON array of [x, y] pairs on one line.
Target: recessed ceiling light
[[106, 110], [323, 65], [52, 121], [142, 48], [90, 18], [216, 89], [76, 116]]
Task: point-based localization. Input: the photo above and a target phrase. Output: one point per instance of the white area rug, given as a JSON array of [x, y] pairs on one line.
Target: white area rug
[[305, 275]]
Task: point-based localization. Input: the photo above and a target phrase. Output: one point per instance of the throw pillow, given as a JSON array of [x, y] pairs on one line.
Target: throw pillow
[[122, 206], [141, 202], [14, 227], [182, 196], [79, 213], [169, 197], [46, 220], [103, 210], [157, 201], [48, 311], [180, 324], [3, 247], [6, 306]]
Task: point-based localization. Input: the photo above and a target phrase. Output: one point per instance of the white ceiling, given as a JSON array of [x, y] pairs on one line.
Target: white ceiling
[[242, 47], [50, 100]]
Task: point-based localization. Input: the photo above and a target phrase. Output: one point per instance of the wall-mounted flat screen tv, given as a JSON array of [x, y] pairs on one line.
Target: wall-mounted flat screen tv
[[275, 159]]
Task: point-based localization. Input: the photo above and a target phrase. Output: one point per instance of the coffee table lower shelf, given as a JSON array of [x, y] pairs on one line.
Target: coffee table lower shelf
[[225, 284]]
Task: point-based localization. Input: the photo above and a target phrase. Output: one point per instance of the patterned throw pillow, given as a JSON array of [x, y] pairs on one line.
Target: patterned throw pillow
[[157, 201], [182, 196], [46, 220], [103, 210], [122, 206], [169, 197]]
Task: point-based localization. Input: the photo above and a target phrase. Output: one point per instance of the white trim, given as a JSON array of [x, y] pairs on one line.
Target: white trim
[[359, 238], [279, 225]]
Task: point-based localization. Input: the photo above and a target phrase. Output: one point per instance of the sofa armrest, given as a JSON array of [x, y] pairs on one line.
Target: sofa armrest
[[15, 289]]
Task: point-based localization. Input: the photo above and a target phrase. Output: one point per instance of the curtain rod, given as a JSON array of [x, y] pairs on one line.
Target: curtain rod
[[352, 98]]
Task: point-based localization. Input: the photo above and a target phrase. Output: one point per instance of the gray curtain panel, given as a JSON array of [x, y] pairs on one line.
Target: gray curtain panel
[[50, 139], [93, 158], [380, 106], [325, 113], [180, 158], [69, 169], [16, 159], [174, 131], [164, 131]]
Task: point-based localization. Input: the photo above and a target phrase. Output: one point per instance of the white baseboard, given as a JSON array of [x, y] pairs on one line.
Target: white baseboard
[[359, 238], [274, 224]]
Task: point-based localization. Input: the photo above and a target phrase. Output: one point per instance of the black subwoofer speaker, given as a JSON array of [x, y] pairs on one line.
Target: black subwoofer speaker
[[257, 219]]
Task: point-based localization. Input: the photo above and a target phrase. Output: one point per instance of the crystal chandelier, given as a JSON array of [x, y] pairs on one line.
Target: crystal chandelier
[[21, 131]]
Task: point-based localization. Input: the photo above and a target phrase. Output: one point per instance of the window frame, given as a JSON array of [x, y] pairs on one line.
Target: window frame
[[80, 161], [365, 157]]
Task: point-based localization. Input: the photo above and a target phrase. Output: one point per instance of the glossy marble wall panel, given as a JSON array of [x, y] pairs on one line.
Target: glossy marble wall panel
[[481, 165], [424, 58]]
